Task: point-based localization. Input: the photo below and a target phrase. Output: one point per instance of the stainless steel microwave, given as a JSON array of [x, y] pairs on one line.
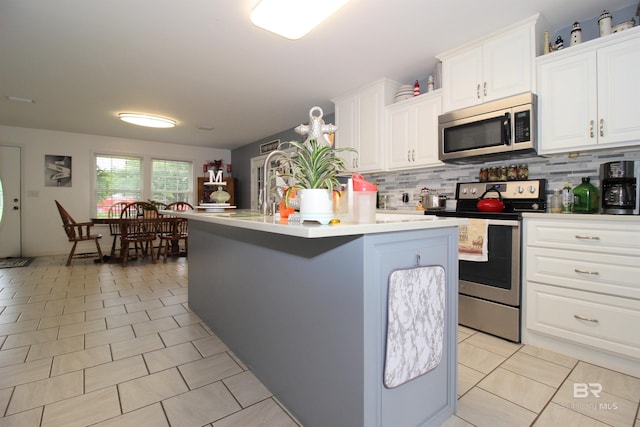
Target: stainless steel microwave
[[501, 128]]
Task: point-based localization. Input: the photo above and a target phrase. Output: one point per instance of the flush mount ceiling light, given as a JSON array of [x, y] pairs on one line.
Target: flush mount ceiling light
[[293, 18], [147, 120]]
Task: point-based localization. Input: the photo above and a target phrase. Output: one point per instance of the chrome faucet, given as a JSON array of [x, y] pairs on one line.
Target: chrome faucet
[[266, 183]]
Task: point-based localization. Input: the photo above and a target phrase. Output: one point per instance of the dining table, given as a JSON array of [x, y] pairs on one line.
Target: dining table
[[165, 222]]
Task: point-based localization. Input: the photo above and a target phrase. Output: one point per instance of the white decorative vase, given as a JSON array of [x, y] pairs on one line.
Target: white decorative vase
[[316, 204]]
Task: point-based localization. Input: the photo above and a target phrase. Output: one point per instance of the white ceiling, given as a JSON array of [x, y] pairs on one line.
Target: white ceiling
[[203, 63]]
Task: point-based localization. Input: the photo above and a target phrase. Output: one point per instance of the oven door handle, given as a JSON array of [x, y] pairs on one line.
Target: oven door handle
[[504, 222]]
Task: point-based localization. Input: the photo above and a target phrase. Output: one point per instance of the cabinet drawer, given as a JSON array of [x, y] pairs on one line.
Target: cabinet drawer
[[607, 274], [605, 322], [593, 236]]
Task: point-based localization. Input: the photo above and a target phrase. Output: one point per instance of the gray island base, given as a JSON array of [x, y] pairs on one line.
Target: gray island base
[[308, 316]]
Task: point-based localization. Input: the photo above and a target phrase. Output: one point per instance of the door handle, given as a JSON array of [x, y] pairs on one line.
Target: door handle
[[592, 273], [591, 128], [583, 237], [485, 88], [506, 129], [601, 127], [586, 319], [478, 91]]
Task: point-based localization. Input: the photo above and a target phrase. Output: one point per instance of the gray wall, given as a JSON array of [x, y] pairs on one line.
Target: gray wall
[[241, 160]]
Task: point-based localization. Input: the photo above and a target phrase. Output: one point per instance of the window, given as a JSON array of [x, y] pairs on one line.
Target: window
[[118, 179], [171, 181]]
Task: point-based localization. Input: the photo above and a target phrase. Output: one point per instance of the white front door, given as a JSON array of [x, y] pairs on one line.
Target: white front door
[[10, 245]]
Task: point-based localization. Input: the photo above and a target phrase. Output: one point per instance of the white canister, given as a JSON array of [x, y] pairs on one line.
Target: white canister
[[605, 23]]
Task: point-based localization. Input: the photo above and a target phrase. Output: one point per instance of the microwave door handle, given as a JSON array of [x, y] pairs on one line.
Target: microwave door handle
[[506, 129]]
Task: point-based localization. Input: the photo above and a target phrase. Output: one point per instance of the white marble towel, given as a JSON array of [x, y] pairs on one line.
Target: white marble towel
[[415, 327]]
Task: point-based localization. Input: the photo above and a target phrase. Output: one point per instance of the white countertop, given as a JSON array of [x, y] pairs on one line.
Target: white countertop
[[583, 217], [385, 223]]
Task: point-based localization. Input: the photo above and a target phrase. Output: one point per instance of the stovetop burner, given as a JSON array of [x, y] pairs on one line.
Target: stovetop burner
[[518, 197]]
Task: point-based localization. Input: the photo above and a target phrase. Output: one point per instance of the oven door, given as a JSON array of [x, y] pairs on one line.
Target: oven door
[[498, 279]]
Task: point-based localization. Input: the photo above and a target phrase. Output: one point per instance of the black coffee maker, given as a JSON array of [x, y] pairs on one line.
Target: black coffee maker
[[619, 187]]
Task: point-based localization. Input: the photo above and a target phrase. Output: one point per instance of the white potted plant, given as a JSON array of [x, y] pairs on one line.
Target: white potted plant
[[314, 168]]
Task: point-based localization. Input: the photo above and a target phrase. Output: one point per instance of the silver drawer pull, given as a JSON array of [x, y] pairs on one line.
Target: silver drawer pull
[[593, 273], [585, 319], [578, 236]]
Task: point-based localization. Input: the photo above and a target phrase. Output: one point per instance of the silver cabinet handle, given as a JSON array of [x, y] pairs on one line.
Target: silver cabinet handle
[[591, 129], [485, 88], [593, 273], [408, 155], [478, 91], [601, 127], [583, 237], [413, 155], [585, 319]]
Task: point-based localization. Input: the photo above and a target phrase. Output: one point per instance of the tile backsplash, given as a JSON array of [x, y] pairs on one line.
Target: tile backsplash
[[557, 170]]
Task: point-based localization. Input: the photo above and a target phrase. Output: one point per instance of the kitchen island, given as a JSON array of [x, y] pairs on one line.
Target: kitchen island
[[305, 307]]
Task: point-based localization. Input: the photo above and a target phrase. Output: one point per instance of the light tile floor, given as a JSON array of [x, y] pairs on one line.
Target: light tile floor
[[105, 345]]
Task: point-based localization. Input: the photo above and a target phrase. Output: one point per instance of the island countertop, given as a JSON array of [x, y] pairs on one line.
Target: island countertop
[[385, 223]]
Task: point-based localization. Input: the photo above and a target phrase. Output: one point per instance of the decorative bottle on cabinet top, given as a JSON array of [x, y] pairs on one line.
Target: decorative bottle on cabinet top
[[586, 197]]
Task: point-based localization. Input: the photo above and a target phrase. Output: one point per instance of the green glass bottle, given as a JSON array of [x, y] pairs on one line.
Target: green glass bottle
[[586, 198]]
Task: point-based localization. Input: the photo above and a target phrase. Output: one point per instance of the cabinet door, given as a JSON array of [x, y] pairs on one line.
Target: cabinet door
[[462, 77], [426, 142], [567, 103], [619, 92], [399, 135], [346, 133], [507, 64], [370, 111]]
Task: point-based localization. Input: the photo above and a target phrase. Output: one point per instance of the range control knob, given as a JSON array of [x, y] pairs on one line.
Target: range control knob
[[474, 191], [532, 189], [520, 189]]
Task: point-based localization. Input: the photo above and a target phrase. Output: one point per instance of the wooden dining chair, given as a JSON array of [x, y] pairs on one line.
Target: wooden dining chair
[[173, 230], [140, 233], [79, 232], [115, 211], [179, 206], [139, 210]]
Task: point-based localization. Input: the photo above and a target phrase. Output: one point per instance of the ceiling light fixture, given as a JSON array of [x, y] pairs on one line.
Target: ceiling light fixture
[[293, 19], [147, 120]]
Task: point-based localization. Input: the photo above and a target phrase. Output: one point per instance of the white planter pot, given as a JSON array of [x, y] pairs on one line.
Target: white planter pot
[[316, 205]]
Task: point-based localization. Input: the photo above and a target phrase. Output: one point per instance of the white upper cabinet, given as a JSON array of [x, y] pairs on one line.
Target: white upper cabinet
[[412, 132], [491, 68], [588, 95], [360, 117]]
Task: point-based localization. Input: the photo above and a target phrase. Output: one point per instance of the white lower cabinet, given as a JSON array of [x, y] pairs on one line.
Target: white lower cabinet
[[582, 288]]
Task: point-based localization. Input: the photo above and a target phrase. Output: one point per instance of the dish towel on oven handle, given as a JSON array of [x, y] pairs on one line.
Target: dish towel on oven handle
[[473, 240]]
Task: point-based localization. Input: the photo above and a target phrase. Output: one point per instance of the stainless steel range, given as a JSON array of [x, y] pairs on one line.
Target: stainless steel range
[[490, 292]]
